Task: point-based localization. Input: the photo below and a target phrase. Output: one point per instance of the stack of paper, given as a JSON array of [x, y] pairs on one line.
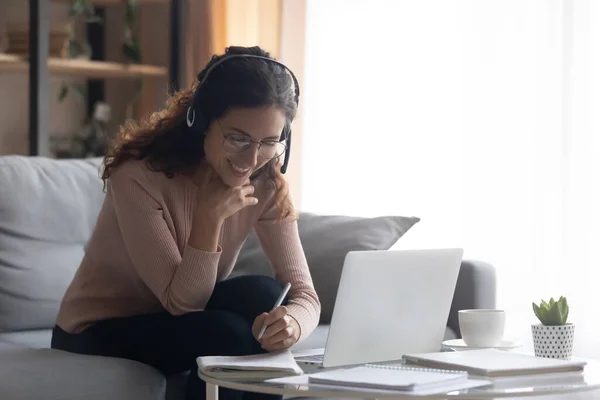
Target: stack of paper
[[259, 366], [491, 363]]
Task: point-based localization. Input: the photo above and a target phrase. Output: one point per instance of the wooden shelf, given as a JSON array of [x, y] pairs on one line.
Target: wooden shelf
[[83, 68], [107, 3]]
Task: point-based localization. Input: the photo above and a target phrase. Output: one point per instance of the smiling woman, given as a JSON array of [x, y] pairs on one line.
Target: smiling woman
[[257, 97], [243, 141], [184, 190]]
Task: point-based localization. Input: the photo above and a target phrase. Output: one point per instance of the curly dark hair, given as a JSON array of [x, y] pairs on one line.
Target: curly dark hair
[[166, 143]]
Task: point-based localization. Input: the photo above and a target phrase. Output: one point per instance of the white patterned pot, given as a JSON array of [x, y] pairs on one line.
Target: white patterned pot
[[553, 341]]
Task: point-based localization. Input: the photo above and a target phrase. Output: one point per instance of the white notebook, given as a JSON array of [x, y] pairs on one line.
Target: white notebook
[[258, 366], [494, 363], [390, 377]]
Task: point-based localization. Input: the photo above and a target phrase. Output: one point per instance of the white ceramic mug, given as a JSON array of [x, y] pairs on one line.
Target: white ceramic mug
[[481, 328]]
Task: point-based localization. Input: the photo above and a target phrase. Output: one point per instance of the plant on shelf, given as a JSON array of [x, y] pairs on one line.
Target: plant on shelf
[[91, 140], [79, 48], [131, 50], [553, 336]]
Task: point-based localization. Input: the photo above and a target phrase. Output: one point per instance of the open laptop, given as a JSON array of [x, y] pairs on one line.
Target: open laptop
[[389, 303]]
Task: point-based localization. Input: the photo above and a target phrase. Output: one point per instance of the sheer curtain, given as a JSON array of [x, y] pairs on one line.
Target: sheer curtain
[[480, 117], [213, 25]]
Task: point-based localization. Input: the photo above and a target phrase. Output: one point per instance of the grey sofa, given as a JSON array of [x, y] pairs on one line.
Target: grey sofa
[[48, 209]]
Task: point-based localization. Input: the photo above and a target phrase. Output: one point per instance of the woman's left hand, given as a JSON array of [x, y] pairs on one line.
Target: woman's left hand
[[282, 330]]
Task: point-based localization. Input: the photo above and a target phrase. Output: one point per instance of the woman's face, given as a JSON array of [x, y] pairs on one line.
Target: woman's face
[[231, 143]]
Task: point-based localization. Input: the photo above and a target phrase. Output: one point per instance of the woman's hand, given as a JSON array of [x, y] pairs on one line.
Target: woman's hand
[[218, 201], [215, 202], [282, 330]]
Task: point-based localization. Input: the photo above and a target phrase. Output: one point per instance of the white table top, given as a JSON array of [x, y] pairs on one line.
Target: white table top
[[586, 388]]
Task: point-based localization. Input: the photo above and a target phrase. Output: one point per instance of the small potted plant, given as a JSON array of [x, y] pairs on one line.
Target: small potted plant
[[553, 337]]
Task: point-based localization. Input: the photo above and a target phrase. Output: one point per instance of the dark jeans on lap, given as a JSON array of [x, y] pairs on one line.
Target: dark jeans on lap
[[172, 343]]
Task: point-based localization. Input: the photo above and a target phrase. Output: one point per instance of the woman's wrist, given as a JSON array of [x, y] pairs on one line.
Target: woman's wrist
[[297, 329], [205, 233]]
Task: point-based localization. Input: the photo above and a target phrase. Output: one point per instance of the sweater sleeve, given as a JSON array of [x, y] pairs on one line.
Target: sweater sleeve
[[181, 281], [280, 241]]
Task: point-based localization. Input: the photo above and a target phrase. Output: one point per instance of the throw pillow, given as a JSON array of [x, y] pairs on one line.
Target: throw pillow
[[326, 240]]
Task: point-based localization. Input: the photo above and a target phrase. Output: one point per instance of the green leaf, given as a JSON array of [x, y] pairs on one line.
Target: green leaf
[[81, 91], [554, 312], [95, 20], [89, 9], [537, 311], [544, 304], [74, 47], [62, 94], [554, 316], [130, 8], [564, 309], [132, 51], [87, 49], [77, 8]]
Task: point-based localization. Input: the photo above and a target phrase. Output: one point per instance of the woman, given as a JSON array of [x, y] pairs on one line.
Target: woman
[[183, 190]]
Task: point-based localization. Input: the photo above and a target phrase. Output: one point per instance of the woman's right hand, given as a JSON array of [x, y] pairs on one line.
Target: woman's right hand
[[218, 200]]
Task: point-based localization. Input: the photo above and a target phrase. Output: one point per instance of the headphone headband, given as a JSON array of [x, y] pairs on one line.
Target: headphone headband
[[190, 121], [191, 113]]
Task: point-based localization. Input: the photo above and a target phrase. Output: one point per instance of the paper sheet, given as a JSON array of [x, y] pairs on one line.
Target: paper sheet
[[302, 380]]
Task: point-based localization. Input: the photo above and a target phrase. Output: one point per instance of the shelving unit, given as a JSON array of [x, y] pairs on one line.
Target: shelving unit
[[84, 68], [107, 3], [40, 66]]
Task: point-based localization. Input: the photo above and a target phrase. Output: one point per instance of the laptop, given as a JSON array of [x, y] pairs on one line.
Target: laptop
[[389, 303]]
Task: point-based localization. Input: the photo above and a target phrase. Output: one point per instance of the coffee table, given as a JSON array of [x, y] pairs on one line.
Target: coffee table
[[586, 388]]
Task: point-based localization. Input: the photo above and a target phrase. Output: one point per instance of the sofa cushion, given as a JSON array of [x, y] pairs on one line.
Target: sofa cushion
[[4, 345], [48, 209], [58, 375], [36, 339], [326, 240]]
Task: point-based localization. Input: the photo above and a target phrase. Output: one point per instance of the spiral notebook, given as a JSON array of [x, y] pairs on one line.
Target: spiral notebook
[[389, 377]]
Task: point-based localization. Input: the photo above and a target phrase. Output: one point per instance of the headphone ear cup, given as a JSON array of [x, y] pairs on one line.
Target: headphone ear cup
[[200, 125]]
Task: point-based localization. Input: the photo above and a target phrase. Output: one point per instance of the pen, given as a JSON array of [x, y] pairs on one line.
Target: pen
[[277, 304]]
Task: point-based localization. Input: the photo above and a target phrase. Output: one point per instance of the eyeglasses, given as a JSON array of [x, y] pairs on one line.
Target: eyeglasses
[[238, 143]]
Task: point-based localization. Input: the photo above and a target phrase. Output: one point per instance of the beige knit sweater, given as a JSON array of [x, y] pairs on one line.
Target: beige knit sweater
[[138, 259]]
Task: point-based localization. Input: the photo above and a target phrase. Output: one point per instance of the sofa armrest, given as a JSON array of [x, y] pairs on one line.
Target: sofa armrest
[[475, 288]]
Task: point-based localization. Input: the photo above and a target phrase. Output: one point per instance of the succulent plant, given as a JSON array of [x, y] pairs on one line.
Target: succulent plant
[[552, 312]]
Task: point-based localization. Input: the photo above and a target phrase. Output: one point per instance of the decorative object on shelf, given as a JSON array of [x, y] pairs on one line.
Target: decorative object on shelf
[[553, 337], [17, 34], [91, 141]]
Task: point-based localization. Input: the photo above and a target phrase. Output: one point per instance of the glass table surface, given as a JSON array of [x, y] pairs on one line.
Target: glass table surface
[[586, 385]]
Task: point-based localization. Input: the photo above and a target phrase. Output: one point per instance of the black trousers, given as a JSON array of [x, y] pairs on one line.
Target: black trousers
[[172, 343]]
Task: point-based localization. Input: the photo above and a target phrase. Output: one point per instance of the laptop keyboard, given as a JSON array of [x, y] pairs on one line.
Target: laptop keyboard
[[316, 358]]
